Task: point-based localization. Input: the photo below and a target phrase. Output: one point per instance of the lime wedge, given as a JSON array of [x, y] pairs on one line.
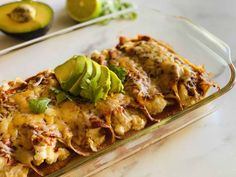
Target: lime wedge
[[83, 10]]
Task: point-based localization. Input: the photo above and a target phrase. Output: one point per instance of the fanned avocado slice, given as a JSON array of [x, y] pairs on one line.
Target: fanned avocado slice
[[90, 86], [116, 84], [104, 84], [25, 19], [69, 72], [83, 78]]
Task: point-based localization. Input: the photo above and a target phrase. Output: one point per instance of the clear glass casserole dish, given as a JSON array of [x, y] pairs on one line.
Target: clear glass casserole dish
[[189, 40]]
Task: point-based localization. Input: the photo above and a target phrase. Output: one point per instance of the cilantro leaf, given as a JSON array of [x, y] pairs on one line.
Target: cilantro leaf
[[119, 71], [38, 106], [62, 95], [111, 6]]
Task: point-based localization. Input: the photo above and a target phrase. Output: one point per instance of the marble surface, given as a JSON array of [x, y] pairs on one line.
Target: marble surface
[[206, 148]]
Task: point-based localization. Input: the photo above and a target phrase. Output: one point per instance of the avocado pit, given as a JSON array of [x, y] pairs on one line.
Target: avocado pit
[[23, 13]]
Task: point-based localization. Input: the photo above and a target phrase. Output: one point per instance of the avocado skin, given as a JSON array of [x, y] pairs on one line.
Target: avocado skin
[[30, 35]]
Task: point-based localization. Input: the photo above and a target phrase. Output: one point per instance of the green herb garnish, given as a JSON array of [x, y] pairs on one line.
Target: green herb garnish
[[62, 95], [111, 6], [120, 72], [38, 106]]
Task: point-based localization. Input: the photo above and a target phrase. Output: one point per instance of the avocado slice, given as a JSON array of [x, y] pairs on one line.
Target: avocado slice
[[116, 84], [89, 90], [25, 19], [69, 72], [104, 84], [83, 78]]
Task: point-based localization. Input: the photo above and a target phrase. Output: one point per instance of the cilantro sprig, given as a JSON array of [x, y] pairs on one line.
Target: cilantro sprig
[[120, 72], [111, 6], [62, 95]]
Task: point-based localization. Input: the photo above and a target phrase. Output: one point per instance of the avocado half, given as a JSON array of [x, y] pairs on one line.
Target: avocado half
[[28, 28]]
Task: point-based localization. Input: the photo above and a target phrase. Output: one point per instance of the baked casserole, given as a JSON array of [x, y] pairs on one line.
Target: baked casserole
[[43, 126]]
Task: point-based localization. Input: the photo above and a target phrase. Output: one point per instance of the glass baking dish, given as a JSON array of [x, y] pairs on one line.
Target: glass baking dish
[[188, 39]]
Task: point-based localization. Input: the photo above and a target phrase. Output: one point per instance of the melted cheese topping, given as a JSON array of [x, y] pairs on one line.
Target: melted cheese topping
[[124, 121], [94, 138], [12, 171], [173, 75]]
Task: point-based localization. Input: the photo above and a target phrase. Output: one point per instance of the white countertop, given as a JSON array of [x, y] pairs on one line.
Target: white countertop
[[206, 148]]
